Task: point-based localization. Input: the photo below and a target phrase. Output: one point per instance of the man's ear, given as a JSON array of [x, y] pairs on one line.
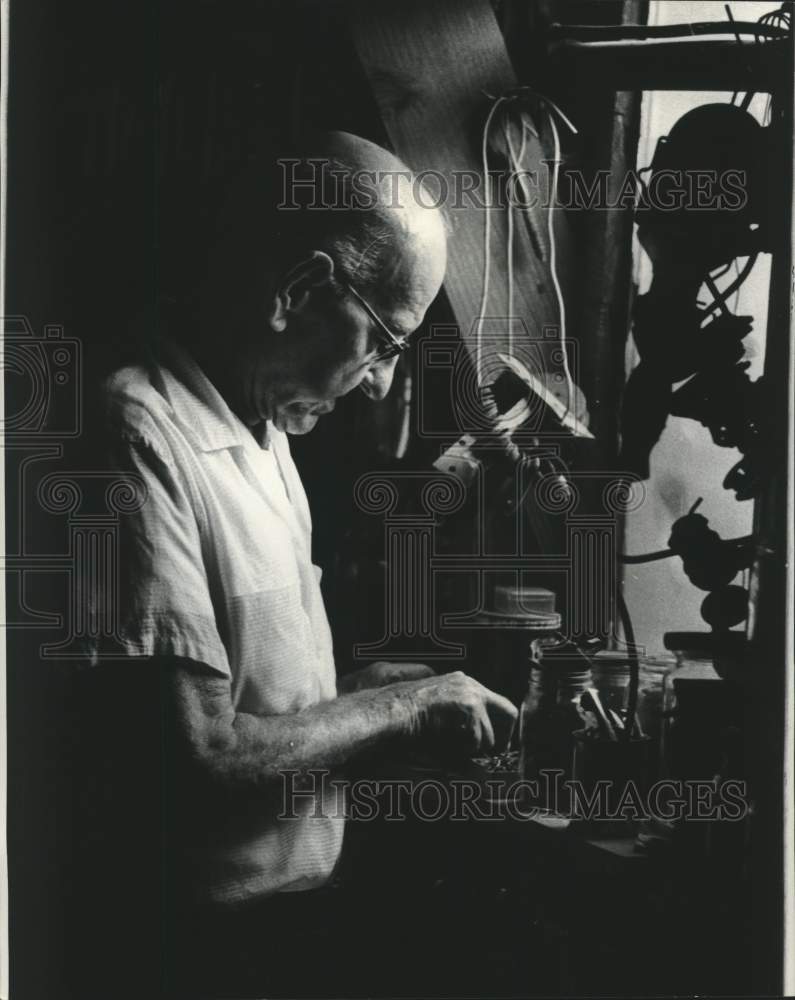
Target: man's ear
[[297, 285]]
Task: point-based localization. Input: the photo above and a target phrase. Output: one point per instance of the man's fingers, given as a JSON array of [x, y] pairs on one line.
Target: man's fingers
[[462, 711], [486, 732], [504, 730], [503, 716]]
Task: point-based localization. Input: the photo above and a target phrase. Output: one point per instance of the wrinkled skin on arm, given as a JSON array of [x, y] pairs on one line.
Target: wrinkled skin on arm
[[224, 752]]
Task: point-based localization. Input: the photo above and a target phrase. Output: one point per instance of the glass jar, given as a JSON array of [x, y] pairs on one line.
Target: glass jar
[[611, 679], [653, 671], [611, 672], [551, 711]]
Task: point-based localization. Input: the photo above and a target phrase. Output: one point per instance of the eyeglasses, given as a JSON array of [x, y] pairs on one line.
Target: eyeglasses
[[393, 346]]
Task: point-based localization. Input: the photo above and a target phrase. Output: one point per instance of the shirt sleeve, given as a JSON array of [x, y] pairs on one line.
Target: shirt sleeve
[[165, 605]]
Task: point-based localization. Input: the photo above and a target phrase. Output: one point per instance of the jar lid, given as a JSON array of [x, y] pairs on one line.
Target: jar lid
[[569, 669], [549, 622], [520, 602]]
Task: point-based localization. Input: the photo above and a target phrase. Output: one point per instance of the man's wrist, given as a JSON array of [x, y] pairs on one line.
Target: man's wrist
[[401, 703], [392, 707]]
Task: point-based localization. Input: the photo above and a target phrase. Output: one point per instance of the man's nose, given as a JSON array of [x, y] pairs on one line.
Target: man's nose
[[378, 381]]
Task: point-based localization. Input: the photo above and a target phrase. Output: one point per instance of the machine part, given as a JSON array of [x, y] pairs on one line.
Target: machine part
[[673, 346], [564, 415], [689, 233], [512, 390], [600, 32], [714, 144], [460, 459], [745, 478], [709, 561], [724, 400], [725, 607], [736, 412]]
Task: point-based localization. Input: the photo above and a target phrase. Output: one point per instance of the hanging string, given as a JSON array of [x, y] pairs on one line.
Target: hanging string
[[509, 252], [484, 297], [553, 263], [516, 166], [515, 163]]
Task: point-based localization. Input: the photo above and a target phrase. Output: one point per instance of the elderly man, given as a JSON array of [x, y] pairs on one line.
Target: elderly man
[[218, 582]]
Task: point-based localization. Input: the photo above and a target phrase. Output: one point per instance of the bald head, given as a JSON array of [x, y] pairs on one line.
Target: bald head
[[362, 205], [374, 178]]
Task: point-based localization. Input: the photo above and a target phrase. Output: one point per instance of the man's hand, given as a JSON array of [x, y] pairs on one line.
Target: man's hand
[[381, 673], [459, 714]]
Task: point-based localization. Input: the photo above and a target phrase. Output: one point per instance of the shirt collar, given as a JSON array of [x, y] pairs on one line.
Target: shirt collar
[[204, 414]]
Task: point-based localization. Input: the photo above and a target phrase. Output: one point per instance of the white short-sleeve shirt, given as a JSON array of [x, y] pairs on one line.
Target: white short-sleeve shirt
[[216, 567]]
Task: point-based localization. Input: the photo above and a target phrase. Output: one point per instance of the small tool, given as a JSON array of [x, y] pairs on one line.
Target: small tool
[[615, 718], [598, 710]]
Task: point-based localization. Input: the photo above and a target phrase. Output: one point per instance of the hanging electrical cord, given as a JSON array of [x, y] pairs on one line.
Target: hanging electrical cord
[[484, 297], [721, 271], [553, 263], [509, 252], [514, 159], [736, 303], [515, 165], [767, 27], [509, 246], [720, 297], [646, 557]]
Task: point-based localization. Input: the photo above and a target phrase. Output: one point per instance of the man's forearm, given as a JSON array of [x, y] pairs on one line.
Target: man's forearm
[[323, 736], [241, 750], [230, 751]]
